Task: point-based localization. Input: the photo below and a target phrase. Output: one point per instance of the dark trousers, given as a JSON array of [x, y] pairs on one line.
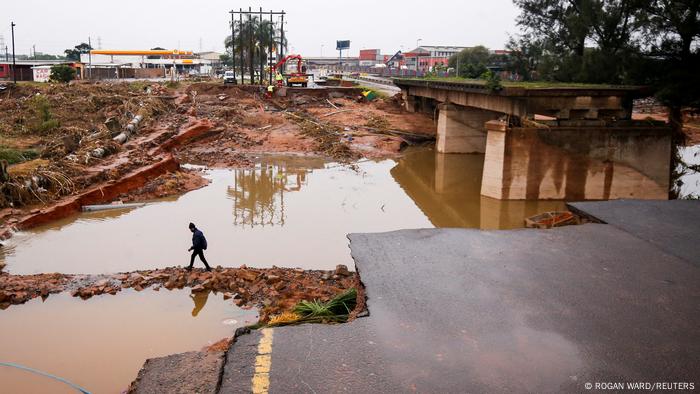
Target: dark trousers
[[200, 253]]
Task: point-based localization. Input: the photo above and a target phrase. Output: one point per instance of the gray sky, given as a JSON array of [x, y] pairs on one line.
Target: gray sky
[[143, 24]]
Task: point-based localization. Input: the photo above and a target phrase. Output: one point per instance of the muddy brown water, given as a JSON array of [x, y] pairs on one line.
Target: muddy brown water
[[100, 344], [288, 211]]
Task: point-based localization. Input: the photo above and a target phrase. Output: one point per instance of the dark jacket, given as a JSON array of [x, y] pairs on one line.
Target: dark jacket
[[198, 240]]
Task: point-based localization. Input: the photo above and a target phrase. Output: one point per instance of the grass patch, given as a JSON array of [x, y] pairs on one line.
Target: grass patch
[[530, 85], [336, 310], [14, 156]]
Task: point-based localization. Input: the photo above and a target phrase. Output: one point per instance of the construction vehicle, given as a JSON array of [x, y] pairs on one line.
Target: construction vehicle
[[397, 58], [299, 77]]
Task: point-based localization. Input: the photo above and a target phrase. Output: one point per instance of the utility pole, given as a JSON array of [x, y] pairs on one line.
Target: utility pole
[[282, 39], [233, 45], [261, 53], [14, 64], [271, 42], [34, 50], [251, 49], [90, 60], [240, 35]]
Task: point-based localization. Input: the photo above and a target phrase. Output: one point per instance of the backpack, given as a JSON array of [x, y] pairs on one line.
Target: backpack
[[204, 242]]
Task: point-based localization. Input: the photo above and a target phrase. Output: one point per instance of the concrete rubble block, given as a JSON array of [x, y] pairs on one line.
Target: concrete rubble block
[[191, 372]]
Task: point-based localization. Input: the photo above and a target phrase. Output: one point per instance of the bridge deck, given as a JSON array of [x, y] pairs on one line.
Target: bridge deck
[[525, 99]]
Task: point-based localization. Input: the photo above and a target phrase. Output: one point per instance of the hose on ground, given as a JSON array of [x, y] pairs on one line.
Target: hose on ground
[[48, 375]]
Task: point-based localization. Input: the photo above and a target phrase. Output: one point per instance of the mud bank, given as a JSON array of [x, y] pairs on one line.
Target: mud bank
[[272, 290]]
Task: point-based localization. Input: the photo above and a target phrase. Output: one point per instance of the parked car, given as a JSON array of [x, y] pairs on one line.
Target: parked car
[[229, 77]]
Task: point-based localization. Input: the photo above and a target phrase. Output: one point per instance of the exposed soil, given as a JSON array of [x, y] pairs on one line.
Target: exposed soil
[[652, 109], [168, 184], [272, 290], [245, 123]]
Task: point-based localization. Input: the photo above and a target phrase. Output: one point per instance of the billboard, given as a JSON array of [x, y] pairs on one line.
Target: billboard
[[340, 45]]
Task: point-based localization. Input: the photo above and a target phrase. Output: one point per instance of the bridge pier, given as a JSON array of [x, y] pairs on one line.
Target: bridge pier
[[624, 160], [462, 129]]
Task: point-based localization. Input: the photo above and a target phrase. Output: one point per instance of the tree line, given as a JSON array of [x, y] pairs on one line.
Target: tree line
[[634, 42]]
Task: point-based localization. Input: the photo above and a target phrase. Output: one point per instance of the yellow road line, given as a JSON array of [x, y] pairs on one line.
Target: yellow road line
[[263, 361]]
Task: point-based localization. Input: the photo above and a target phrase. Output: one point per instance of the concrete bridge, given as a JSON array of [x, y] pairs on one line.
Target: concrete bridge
[[544, 142]]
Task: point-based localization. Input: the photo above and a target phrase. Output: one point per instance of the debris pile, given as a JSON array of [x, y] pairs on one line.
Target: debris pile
[[73, 128], [20, 289], [273, 290]]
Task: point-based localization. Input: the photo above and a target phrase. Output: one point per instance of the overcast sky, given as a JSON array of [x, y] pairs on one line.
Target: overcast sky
[[54, 25]]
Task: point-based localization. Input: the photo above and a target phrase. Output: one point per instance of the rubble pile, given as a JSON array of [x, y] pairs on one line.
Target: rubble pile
[[16, 289], [273, 290], [73, 129]]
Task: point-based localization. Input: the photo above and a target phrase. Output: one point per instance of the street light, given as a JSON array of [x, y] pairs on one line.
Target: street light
[[14, 64], [418, 42]]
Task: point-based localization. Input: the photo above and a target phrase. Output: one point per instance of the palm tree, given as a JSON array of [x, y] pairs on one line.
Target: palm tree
[[253, 40]]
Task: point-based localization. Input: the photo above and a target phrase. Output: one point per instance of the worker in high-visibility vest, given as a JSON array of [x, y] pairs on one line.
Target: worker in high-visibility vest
[[280, 79], [270, 91]]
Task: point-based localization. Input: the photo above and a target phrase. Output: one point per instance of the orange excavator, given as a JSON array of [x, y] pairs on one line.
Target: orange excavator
[[299, 77]]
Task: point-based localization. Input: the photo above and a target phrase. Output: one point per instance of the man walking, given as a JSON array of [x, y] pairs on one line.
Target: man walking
[[199, 245]]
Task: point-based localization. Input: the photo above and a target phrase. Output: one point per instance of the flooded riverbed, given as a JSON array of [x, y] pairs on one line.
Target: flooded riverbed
[[288, 211], [101, 344]]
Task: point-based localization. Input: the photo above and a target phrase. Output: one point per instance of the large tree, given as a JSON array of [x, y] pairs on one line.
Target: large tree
[[580, 40], [472, 62], [74, 54]]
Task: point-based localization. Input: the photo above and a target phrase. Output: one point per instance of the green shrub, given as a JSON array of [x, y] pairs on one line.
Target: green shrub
[[62, 73], [493, 81], [43, 119], [14, 156]]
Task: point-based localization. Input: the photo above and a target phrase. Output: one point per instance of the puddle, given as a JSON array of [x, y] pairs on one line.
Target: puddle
[[290, 212], [100, 344]]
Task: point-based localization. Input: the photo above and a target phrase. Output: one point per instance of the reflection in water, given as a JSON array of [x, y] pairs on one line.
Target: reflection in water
[[100, 344], [258, 193], [289, 211], [200, 299], [447, 188]]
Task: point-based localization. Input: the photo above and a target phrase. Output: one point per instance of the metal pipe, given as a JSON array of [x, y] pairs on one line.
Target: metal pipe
[[105, 207]]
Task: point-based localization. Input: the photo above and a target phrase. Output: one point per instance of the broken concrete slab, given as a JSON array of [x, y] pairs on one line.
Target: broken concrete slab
[[457, 310], [192, 372], [240, 364], [669, 225]]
